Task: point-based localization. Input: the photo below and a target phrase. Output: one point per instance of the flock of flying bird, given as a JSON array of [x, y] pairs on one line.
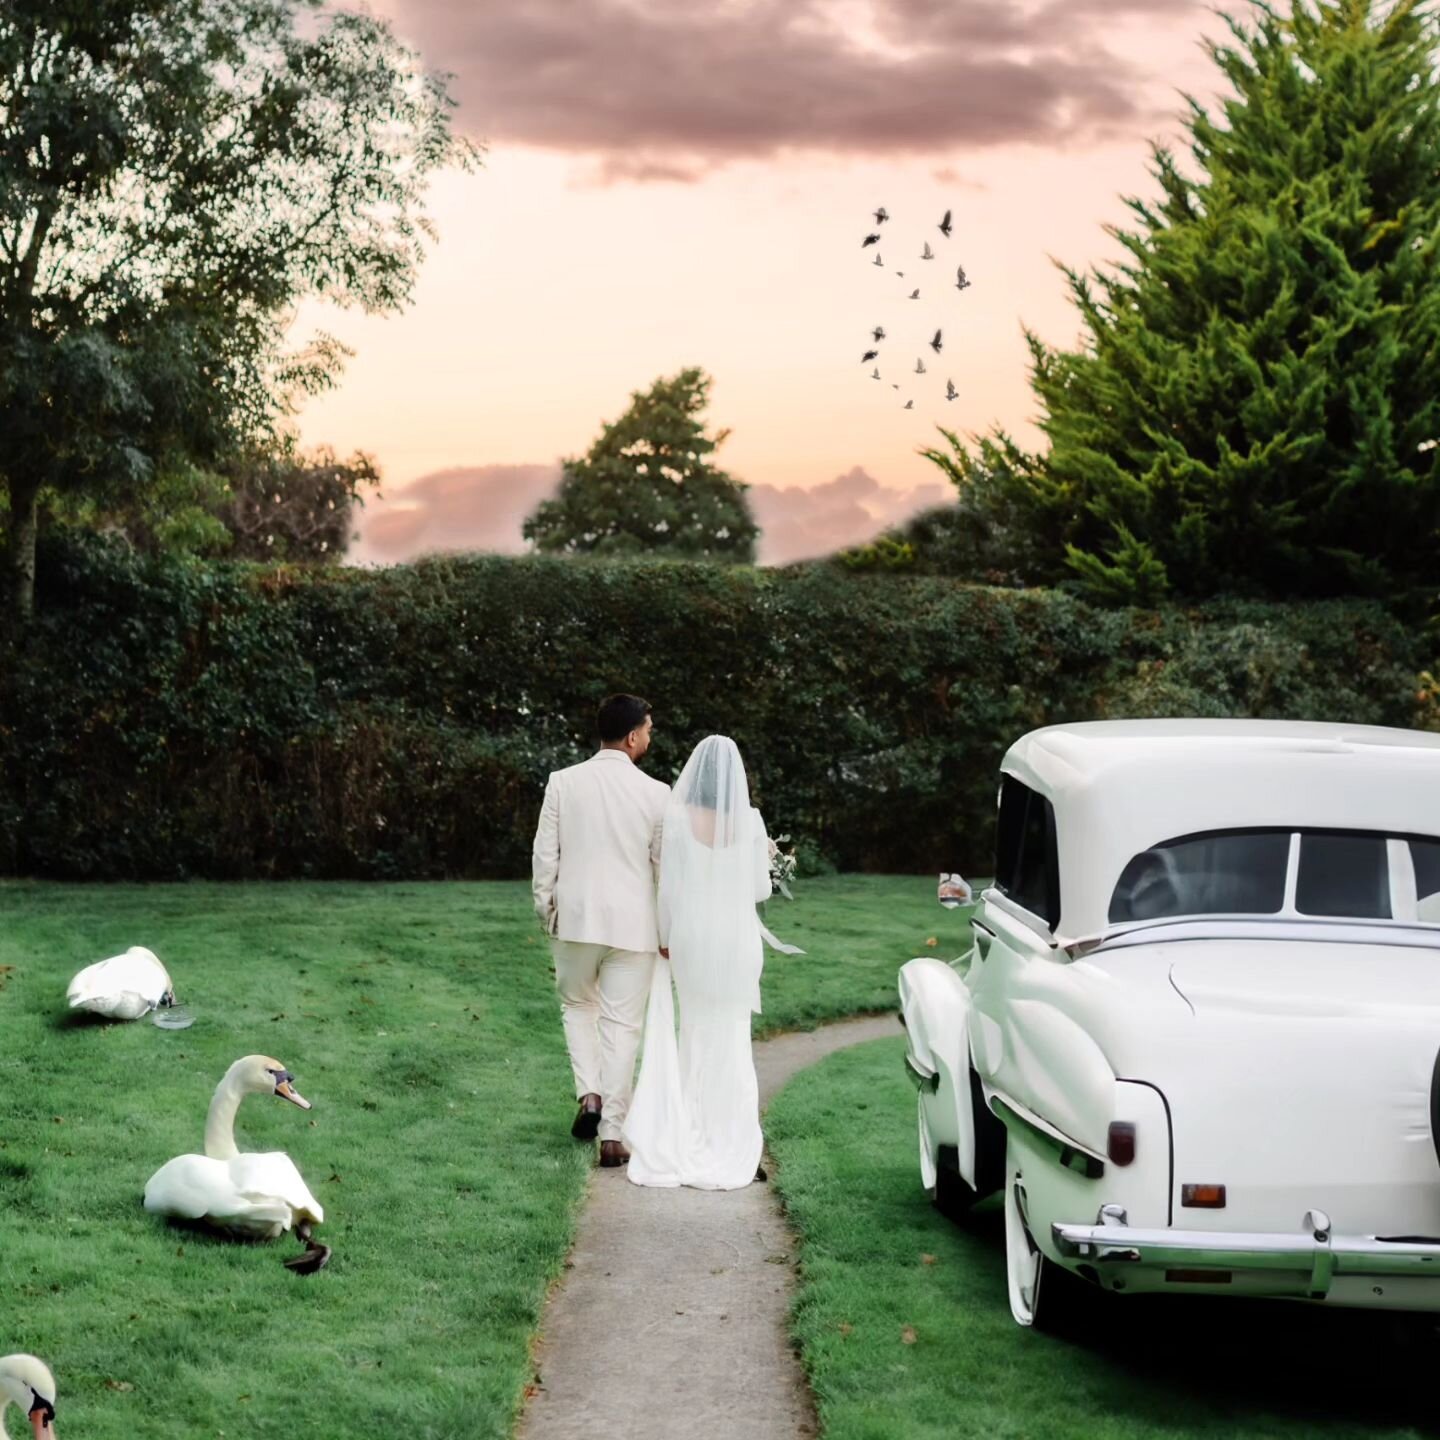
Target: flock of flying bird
[[878, 333]]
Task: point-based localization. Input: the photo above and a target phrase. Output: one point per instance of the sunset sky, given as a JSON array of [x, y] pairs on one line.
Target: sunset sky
[[669, 183]]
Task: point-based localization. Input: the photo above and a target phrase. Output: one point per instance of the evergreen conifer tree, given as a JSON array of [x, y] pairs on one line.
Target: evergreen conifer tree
[[1256, 403]]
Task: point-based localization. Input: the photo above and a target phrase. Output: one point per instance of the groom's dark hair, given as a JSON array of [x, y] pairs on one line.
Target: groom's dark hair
[[619, 715]]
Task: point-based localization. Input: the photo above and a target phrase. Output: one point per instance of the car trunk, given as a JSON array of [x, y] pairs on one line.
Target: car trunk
[[1309, 1084]]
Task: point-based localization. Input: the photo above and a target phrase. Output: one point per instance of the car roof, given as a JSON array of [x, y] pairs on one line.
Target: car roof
[[1121, 786]]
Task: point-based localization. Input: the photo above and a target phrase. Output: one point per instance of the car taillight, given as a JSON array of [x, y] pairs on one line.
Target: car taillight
[[1203, 1197], [1120, 1146]]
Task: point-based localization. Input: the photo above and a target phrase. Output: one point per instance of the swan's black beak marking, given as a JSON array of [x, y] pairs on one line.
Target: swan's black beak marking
[[42, 1412], [285, 1089]]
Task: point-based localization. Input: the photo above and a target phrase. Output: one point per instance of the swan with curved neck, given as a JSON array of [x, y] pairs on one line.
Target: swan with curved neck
[[255, 1195], [124, 987], [26, 1382]]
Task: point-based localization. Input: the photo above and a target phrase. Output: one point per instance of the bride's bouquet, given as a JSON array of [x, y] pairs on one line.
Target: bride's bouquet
[[782, 866]]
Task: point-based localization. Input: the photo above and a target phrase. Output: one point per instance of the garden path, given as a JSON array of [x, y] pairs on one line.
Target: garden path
[[673, 1316]]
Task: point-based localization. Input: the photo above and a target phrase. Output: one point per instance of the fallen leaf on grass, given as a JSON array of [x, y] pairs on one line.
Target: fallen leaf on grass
[[118, 1385], [933, 941], [845, 1327], [907, 1335], [924, 1259]]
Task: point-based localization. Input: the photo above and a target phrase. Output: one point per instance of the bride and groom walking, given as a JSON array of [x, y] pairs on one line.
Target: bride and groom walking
[[637, 884]]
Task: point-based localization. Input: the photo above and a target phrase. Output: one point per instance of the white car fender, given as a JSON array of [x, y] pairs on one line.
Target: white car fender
[[935, 1005]]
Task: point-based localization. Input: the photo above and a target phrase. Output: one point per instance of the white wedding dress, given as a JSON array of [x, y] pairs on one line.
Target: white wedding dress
[[695, 1116]]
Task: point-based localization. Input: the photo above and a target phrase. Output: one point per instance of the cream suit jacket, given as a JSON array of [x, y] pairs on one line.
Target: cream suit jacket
[[596, 860]]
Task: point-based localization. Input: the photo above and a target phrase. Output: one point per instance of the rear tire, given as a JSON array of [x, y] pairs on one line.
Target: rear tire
[[953, 1197], [1043, 1295]]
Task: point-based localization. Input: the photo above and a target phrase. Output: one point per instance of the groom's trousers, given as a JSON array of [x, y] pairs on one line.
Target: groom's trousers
[[603, 994]]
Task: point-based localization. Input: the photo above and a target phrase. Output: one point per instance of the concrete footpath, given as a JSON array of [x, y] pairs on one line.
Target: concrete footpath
[[673, 1315]]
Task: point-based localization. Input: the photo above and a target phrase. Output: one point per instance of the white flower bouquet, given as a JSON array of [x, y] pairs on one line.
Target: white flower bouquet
[[782, 865]]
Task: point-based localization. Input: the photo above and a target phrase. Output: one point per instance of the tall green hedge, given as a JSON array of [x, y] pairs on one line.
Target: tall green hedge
[[164, 719]]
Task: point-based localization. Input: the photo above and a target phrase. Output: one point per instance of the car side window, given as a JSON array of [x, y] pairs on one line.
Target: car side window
[[1027, 865], [1343, 875], [1227, 872]]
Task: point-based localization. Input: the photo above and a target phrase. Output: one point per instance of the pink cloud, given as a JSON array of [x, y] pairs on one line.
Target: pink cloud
[[481, 508]]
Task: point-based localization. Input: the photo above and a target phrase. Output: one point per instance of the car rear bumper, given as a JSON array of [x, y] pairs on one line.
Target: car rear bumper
[[1311, 1257]]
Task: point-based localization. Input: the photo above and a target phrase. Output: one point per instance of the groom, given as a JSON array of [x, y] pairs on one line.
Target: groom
[[595, 866]]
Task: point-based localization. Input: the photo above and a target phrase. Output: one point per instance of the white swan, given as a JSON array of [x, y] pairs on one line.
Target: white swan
[[255, 1195], [124, 987], [26, 1382]]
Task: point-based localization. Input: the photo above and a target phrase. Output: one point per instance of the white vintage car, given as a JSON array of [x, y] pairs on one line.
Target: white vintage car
[[1195, 1042]]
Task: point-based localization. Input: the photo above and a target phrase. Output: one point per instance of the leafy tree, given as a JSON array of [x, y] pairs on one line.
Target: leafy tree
[[267, 502], [280, 505], [174, 176], [647, 486], [1256, 404]]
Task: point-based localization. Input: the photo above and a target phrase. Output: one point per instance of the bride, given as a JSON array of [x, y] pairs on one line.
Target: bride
[[695, 1118]]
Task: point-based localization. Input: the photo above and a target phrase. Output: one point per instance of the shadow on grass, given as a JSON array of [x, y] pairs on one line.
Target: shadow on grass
[[1157, 1357], [898, 1302]]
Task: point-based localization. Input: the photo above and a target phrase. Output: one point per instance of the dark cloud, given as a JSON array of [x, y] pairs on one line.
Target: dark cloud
[[666, 89], [483, 508]]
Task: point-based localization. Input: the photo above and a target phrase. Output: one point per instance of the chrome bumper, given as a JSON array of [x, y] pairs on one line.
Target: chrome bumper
[[1315, 1253]]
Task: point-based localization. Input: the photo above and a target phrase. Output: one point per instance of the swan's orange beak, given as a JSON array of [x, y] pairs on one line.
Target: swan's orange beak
[[42, 1420], [286, 1091]]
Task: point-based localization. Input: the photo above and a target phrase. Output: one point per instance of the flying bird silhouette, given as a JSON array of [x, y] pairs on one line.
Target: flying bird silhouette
[[878, 260], [961, 283], [935, 343], [876, 374], [945, 225], [879, 333], [893, 385], [919, 366], [950, 391], [929, 253], [909, 404], [868, 356], [881, 215], [869, 240], [914, 294]]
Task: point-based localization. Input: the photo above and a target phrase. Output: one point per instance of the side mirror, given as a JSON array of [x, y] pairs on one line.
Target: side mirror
[[953, 891]]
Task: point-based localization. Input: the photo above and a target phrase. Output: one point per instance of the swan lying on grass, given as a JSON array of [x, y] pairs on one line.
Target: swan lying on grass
[[253, 1195], [26, 1382], [124, 987]]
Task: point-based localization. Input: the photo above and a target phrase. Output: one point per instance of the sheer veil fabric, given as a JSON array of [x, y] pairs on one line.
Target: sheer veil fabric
[[695, 1118]]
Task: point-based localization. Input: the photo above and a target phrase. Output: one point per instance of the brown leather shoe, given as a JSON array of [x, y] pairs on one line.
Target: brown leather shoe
[[613, 1153], [587, 1122]]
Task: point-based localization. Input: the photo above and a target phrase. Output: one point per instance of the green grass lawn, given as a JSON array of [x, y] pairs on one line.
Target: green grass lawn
[[422, 1023], [906, 1332]]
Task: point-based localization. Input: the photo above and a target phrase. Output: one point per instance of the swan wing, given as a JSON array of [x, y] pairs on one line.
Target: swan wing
[[195, 1187], [274, 1176], [190, 1187]]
